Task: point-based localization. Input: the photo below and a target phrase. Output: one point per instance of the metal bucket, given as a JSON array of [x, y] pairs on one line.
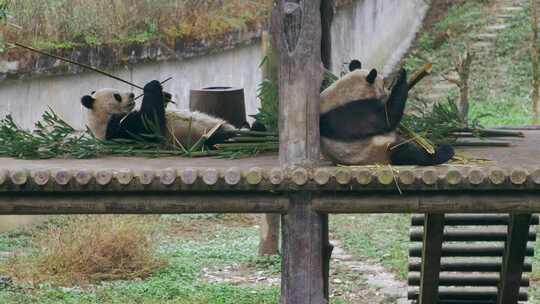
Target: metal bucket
[[227, 103]]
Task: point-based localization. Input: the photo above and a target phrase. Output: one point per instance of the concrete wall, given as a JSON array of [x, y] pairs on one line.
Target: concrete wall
[[377, 32]]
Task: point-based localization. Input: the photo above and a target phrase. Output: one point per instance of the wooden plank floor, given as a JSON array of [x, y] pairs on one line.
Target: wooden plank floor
[[522, 154]]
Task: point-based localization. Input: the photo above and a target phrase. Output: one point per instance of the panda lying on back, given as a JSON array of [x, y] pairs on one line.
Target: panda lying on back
[[111, 116], [359, 122]]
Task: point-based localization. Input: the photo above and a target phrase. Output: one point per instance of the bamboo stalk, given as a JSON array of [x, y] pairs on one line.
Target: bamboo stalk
[[76, 63], [420, 74], [245, 145], [493, 133], [482, 144], [251, 133], [252, 139]]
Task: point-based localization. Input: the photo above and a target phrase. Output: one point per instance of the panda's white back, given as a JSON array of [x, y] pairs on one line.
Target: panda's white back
[[353, 86]]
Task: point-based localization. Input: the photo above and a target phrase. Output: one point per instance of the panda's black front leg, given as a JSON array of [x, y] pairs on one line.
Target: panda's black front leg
[[395, 106], [153, 104], [409, 154]]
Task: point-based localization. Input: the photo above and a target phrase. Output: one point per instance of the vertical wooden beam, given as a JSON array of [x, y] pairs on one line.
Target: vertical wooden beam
[[514, 256], [327, 15], [302, 266], [296, 32], [431, 258], [269, 240]]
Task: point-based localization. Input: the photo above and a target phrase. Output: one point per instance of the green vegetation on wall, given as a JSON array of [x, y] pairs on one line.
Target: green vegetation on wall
[[68, 23]]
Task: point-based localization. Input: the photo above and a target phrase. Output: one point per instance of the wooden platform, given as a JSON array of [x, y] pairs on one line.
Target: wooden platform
[[179, 185]]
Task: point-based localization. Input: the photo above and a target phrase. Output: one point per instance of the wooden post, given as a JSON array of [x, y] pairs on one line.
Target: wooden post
[[302, 271], [269, 240], [514, 256], [296, 31], [431, 258], [327, 15]]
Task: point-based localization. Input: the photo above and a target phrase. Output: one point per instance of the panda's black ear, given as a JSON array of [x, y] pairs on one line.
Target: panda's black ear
[[355, 65], [372, 76], [88, 101]]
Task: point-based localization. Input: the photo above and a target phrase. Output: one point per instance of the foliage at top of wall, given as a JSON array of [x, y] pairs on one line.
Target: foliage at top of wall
[[54, 24], [67, 23]]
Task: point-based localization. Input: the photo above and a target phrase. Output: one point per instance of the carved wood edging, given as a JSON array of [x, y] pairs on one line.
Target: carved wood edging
[[274, 178]]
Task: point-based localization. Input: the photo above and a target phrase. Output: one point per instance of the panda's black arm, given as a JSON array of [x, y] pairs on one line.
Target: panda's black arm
[[395, 106], [153, 104], [355, 120], [116, 129]]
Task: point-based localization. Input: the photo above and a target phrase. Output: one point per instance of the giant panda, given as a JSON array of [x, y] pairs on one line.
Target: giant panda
[[111, 115], [359, 121]]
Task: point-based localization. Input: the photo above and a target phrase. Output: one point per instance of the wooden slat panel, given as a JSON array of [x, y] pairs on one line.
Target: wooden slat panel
[[479, 280], [514, 256], [469, 266], [431, 256], [469, 251], [468, 293], [470, 235], [473, 219]]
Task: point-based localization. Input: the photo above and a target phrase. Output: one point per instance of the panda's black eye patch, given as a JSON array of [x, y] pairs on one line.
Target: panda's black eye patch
[[118, 97], [93, 92]]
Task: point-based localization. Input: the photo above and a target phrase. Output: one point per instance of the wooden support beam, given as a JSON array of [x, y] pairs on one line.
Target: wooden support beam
[[302, 274], [141, 203], [327, 15], [269, 237], [296, 31], [269, 241], [431, 259], [473, 220], [514, 256], [422, 202]]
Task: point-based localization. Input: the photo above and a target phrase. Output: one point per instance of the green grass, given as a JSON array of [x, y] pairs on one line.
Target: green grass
[[500, 82], [382, 238], [180, 282]]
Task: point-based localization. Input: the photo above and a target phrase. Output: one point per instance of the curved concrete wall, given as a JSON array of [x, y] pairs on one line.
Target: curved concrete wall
[[375, 31]]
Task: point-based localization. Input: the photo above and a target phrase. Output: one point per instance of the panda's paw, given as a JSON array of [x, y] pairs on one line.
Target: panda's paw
[[444, 153], [153, 87], [258, 126], [402, 76]]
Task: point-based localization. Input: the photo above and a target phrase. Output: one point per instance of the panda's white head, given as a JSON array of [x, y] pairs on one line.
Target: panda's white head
[[104, 103], [358, 84], [108, 102]]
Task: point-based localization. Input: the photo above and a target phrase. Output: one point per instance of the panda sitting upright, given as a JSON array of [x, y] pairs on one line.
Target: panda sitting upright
[[359, 122], [111, 116]]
